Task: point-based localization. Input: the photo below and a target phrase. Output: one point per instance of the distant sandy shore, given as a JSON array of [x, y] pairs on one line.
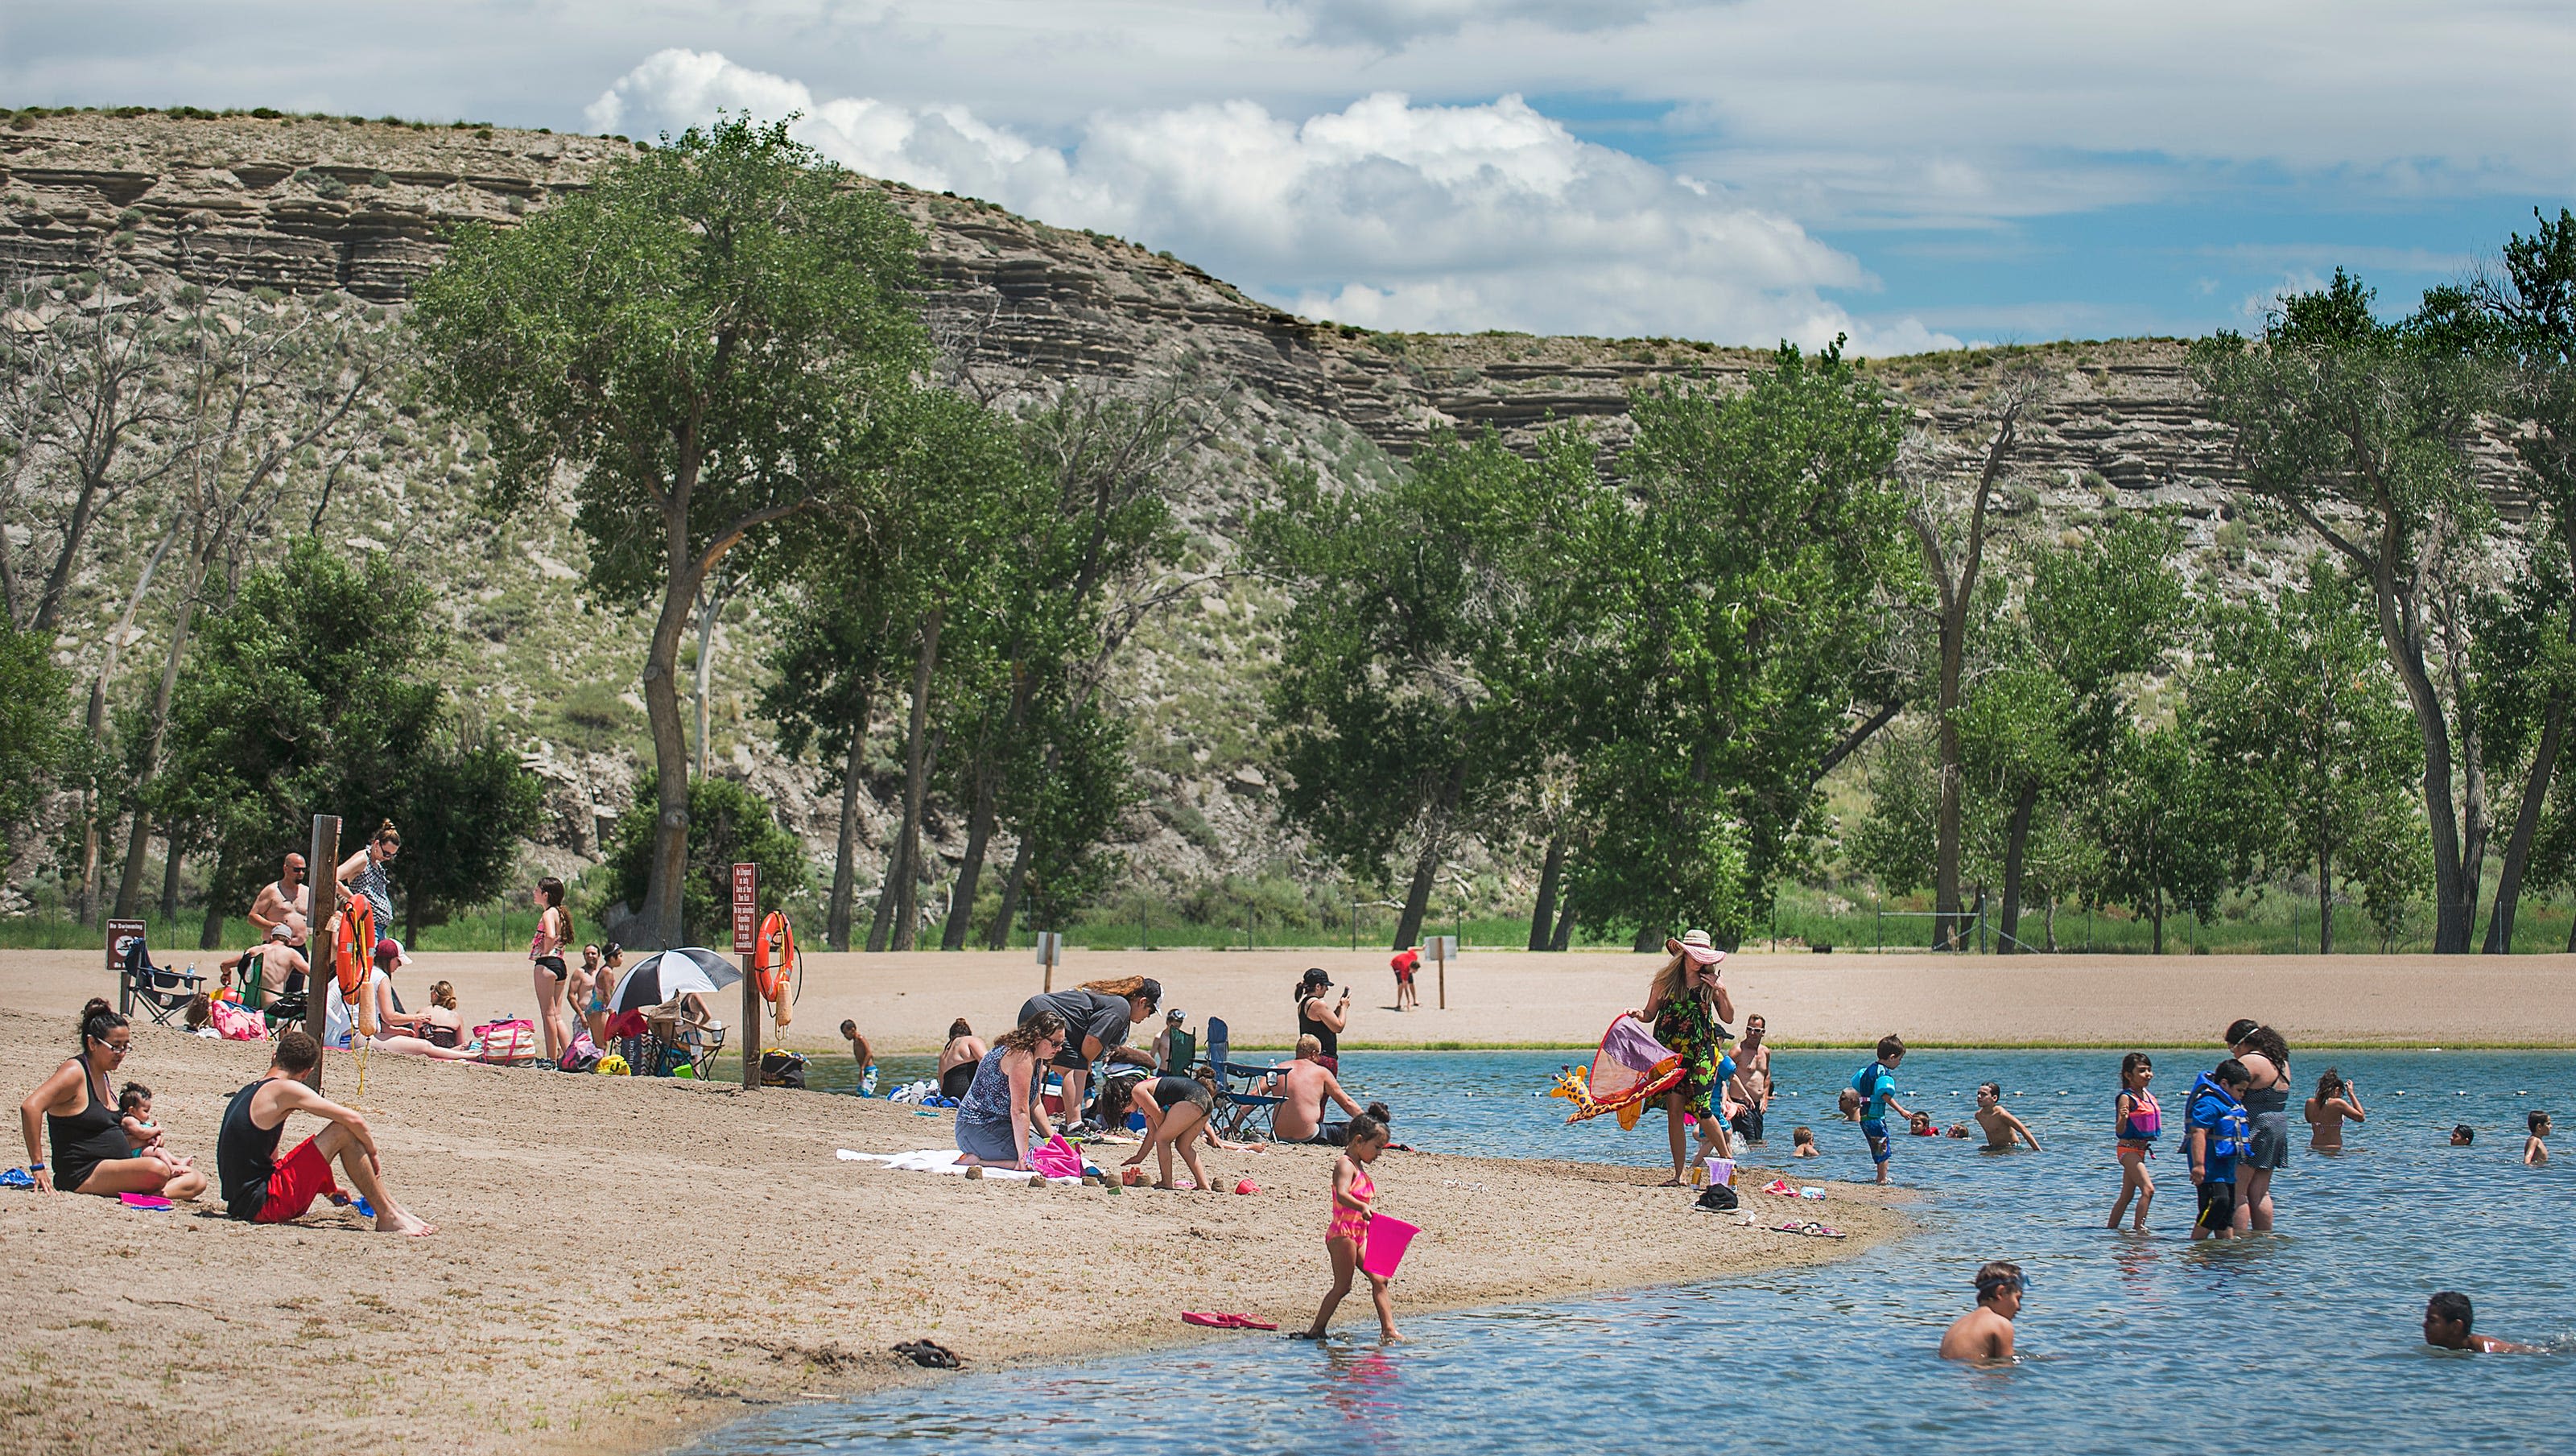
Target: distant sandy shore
[[1502, 998], [622, 1262]]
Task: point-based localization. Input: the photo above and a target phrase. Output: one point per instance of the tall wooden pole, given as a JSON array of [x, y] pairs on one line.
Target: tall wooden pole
[[746, 936], [321, 867]]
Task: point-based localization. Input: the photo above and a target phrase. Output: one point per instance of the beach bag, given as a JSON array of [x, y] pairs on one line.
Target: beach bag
[[782, 1069], [508, 1041], [234, 1024], [1717, 1198], [1056, 1159], [580, 1055]]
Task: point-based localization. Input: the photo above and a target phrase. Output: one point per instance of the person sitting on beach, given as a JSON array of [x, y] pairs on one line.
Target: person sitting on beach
[[442, 1025], [2463, 1135], [134, 1114], [261, 975], [1304, 1086], [1354, 1205], [2001, 1126], [957, 1059], [396, 1031], [1166, 1040], [2215, 1140], [1802, 1143], [2535, 1153], [259, 1187], [1175, 1110], [863, 1055], [2447, 1317], [2336, 1103], [1986, 1332], [1097, 1017], [76, 1111], [999, 1120]]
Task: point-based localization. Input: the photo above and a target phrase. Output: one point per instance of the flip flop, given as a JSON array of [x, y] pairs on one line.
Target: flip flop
[[1813, 1230], [1779, 1188], [1206, 1321], [928, 1354]]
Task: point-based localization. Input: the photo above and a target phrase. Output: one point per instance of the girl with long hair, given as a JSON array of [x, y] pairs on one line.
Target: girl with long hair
[[2336, 1103], [1689, 1008], [545, 952]]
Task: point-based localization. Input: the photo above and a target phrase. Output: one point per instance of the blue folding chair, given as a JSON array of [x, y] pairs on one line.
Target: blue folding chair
[[1242, 1104]]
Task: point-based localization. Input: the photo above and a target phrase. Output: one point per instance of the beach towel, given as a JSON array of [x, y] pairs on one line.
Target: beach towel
[[232, 1023], [1628, 1069], [1057, 1159], [1387, 1240], [944, 1160]]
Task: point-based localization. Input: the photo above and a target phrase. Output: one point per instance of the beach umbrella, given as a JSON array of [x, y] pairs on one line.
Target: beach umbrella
[[668, 973]]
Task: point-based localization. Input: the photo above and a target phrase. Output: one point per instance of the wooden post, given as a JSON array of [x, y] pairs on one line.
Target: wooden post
[[1050, 955], [321, 867], [746, 937], [1442, 948]]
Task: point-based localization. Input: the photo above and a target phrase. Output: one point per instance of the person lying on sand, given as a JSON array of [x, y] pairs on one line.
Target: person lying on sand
[[2447, 1317], [261, 1188], [1985, 1333], [1304, 1084], [2001, 1126]]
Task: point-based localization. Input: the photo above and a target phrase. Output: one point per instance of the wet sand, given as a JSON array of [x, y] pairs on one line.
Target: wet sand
[[1502, 998], [621, 1262]]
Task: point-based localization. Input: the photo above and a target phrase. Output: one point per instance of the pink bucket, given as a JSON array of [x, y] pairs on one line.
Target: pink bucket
[[1387, 1240]]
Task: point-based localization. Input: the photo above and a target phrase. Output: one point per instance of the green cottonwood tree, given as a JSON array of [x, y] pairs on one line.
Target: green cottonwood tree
[[2361, 430], [728, 825], [35, 725], [713, 338]]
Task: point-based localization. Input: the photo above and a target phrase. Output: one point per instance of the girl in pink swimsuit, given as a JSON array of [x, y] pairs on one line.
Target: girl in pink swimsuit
[[1354, 1192]]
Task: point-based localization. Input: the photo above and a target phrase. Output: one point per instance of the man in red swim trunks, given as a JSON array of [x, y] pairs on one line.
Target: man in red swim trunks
[[260, 1187], [1405, 963]]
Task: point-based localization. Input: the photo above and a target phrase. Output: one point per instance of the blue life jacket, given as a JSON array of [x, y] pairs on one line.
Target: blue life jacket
[[2217, 1113], [1875, 1084]]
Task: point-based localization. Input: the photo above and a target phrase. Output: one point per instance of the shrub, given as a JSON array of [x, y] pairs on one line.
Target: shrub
[[728, 825]]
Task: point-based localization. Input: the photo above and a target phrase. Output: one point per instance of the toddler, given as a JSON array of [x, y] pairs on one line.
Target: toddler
[[2135, 1123], [1802, 1142], [134, 1114], [1354, 1203], [2535, 1153], [1874, 1086]]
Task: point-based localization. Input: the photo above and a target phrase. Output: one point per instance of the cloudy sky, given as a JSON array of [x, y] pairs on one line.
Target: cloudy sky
[[1911, 174]]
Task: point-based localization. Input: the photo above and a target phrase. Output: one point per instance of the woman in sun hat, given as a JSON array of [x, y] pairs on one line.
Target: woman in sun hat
[[1689, 1008]]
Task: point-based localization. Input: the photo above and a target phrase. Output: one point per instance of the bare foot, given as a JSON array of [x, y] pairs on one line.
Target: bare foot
[[395, 1221], [1391, 1337]]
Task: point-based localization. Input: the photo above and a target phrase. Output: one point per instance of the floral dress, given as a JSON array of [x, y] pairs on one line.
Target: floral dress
[[1688, 1026]]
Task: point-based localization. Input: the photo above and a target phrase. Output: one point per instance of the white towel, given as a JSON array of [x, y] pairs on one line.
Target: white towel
[[939, 1160]]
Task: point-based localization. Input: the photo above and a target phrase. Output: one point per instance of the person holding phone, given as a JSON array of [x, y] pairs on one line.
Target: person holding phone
[[1321, 1021]]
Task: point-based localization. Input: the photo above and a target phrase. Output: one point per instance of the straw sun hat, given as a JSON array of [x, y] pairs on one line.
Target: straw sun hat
[[1694, 943]]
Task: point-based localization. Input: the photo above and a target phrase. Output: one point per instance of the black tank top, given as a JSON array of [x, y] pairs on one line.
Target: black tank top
[[86, 1139], [245, 1154], [1307, 1025]]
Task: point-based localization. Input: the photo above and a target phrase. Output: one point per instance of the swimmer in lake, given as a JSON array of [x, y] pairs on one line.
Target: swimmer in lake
[[1985, 1334], [2447, 1317], [2001, 1126], [2535, 1153]]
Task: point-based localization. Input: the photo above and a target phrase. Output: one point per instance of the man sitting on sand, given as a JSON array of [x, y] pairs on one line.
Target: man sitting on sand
[[266, 971], [1304, 1084], [2447, 1317], [2001, 1126], [1986, 1332], [261, 1188]]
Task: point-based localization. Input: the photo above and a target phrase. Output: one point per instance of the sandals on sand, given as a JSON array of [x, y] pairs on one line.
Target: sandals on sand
[[1216, 1321], [1813, 1230], [928, 1354]]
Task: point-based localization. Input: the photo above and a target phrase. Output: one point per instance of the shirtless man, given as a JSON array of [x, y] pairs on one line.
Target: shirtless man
[[260, 1187], [279, 969], [1986, 1332], [2001, 1126], [1305, 1083], [959, 1058], [2447, 1317], [284, 902]]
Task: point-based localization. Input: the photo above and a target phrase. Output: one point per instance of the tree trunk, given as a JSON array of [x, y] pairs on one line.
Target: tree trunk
[[49, 606], [916, 783], [2051, 921], [212, 934], [1564, 936], [657, 923], [1945, 834], [2454, 901], [2526, 823], [1426, 870], [129, 891], [836, 919], [2158, 902], [2325, 897], [411, 917], [2016, 836], [979, 832], [706, 664], [1543, 917], [883, 921], [173, 851], [1957, 598], [998, 937]]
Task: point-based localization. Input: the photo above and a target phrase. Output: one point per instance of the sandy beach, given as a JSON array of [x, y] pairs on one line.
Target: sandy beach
[[621, 1261], [1503, 998]]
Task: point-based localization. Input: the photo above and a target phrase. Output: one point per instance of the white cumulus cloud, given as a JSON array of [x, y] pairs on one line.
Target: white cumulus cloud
[[1385, 213]]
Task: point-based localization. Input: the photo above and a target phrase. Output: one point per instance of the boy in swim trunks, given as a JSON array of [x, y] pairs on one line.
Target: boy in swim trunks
[[1875, 1088], [2215, 1141], [1986, 1332], [2001, 1126]]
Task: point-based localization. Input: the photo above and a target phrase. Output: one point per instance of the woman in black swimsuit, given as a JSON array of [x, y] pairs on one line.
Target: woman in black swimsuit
[[1323, 1023], [78, 1110], [1175, 1110]]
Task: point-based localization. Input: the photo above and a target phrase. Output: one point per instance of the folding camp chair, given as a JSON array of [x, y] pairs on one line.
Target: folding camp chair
[[164, 993], [1240, 1102], [672, 1041]]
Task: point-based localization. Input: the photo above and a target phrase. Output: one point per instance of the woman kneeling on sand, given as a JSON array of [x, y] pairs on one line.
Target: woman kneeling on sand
[[77, 1106], [997, 1114]]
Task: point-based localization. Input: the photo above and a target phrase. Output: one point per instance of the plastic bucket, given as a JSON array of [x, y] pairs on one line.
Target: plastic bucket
[[1387, 1241]]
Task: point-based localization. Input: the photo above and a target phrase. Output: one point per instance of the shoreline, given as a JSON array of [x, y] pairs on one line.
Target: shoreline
[[625, 1264]]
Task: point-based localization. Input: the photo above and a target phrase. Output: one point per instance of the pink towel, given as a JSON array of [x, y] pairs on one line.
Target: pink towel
[[1056, 1159], [1387, 1239]]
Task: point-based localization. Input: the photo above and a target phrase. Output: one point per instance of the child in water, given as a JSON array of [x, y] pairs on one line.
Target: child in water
[[1802, 1142], [2136, 1122], [2215, 1139], [1354, 1202], [1986, 1332], [2001, 1127], [867, 1058], [2463, 1135], [1920, 1125], [2535, 1153], [1875, 1088]]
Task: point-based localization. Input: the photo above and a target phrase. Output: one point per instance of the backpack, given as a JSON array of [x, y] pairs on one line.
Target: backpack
[[1717, 1198], [782, 1069], [578, 1054]]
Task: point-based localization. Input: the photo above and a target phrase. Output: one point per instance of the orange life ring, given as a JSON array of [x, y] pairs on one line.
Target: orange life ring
[[775, 969], [353, 948]]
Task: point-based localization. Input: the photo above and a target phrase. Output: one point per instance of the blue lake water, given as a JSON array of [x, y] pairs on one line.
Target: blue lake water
[[2307, 1340]]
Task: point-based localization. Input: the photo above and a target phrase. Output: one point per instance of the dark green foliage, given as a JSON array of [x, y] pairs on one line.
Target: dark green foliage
[[35, 726], [470, 802], [728, 825]]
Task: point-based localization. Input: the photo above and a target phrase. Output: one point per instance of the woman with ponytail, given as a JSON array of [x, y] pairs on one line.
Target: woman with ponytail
[[76, 1108]]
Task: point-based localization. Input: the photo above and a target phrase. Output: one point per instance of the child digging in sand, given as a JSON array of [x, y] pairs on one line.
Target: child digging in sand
[[1986, 1332], [2135, 1123], [1354, 1200]]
